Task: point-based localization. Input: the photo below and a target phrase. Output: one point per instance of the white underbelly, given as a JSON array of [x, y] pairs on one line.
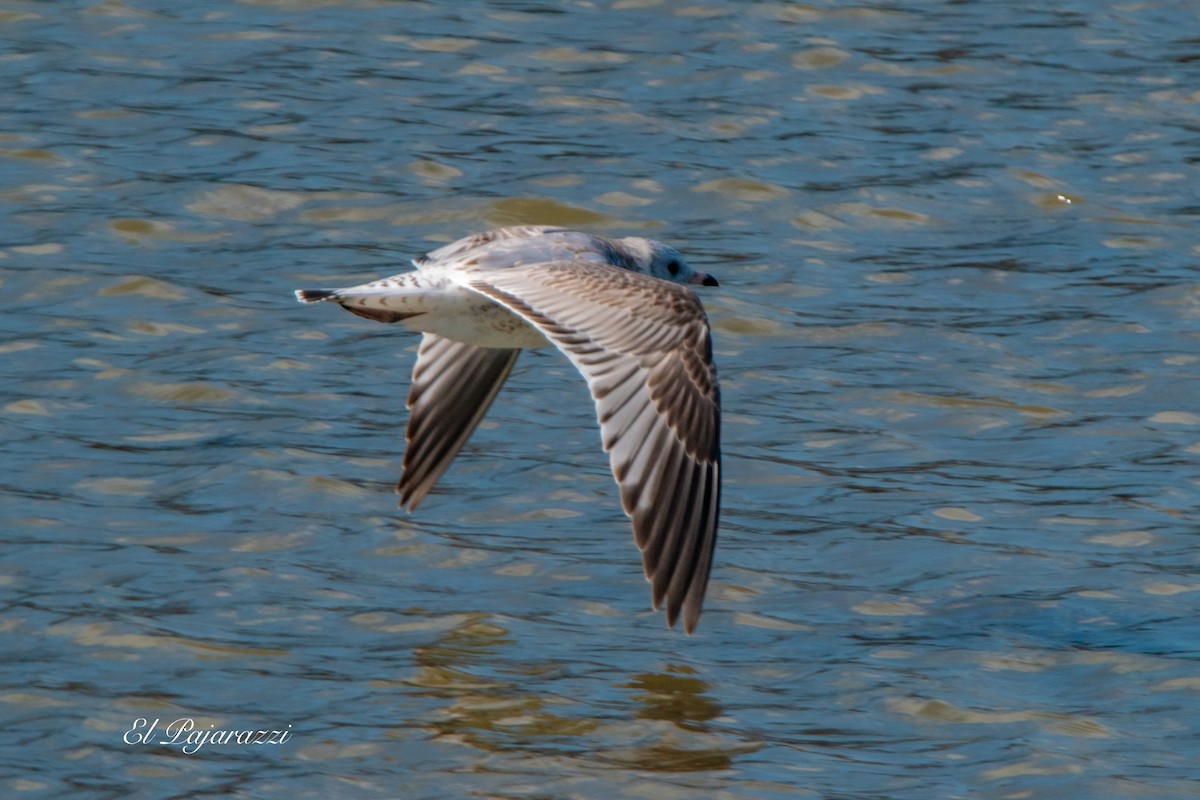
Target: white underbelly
[[478, 321]]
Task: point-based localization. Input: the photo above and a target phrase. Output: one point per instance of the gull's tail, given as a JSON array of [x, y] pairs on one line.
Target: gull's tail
[[316, 295], [371, 304]]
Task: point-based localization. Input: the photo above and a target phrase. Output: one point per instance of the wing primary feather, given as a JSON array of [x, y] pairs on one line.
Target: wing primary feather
[[453, 386], [694, 599], [668, 519], [645, 348], [685, 563], [674, 543]]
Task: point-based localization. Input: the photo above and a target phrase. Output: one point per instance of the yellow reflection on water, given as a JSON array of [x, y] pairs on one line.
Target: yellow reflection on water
[[675, 696], [540, 211], [662, 728]]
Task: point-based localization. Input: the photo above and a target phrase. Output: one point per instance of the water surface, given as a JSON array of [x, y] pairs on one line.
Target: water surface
[[957, 334]]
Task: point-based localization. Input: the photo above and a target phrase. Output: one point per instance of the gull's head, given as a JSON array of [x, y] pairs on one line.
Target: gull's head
[[663, 261]]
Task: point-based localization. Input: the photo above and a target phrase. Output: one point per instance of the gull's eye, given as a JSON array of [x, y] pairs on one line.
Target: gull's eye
[[673, 267]]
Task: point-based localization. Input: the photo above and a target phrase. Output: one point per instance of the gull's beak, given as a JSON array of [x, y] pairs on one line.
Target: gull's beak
[[704, 279]]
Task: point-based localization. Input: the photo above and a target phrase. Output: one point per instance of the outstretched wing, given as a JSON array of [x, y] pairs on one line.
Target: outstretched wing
[[645, 348], [453, 385], [462, 247]]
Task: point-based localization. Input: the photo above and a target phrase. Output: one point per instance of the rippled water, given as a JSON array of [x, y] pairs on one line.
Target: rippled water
[[957, 333]]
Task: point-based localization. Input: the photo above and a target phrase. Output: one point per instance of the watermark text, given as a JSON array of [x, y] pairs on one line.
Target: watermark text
[[186, 735]]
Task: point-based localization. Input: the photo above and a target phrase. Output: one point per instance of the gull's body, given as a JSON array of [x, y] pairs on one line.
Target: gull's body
[[616, 309]]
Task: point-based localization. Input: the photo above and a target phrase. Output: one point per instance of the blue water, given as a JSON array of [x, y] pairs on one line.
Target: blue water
[[957, 336]]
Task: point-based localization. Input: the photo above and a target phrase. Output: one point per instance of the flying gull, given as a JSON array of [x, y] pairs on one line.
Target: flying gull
[[616, 308]]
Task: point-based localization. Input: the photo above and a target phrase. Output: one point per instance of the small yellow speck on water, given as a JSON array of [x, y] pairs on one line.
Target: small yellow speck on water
[[29, 700], [115, 8], [542, 514], [36, 407], [701, 12], [135, 227], [171, 436], [195, 392], [516, 570], [1133, 242], [487, 70], [890, 277], [464, 558], [1097, 594], [444, 623], [47, 249], [162, 328], [819, 58], [1127, 539], [559, 181], [91, 363], [821, 444], [901, 215], [942, 153], [328, 752], [569, 55], [433, 45], [270, 544], [848, 92], [135, 231], [336, 487], [603, 610], [143, 287], [1054, 200], [1116, 391], [881, 608], [245, 203], [1035, 179], [622, 199], [288, 364], [1029, 770], [767, 623], [269, 130], [1088, 521], [743, 189], [116, 486], [434, 171], [1166, 589], [957, 514], [539, 210], [1016, 662], [891, 215], [34, 154], [1176, 418], [750, 326], [817, 220], [892, 654]]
